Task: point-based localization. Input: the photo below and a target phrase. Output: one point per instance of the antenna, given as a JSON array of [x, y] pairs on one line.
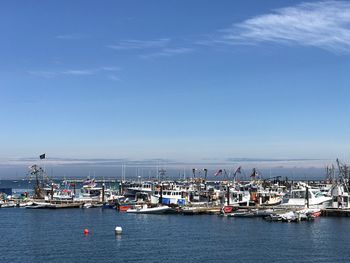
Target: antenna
[[343, 173]]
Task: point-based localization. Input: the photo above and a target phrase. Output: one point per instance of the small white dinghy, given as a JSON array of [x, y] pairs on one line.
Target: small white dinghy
[[8, 205], [87, 205], [91, 205], [23, 205], [149, 210], [38, 205]]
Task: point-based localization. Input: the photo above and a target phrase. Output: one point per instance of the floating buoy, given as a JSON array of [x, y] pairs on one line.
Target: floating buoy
[[118, 230], [86, 231]]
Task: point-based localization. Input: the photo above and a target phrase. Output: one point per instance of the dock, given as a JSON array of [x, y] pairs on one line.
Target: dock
[[200, 210], [335, 212]]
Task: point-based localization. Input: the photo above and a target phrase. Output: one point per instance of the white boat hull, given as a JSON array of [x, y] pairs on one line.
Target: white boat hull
[[152, 210]]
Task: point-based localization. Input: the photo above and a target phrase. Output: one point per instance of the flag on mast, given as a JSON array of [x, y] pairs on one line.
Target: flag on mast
[[89, 182], [238, 171], [42, 156], [219, 172], [254, 173]]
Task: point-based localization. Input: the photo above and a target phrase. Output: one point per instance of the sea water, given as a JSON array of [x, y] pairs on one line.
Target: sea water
[[35, 235]]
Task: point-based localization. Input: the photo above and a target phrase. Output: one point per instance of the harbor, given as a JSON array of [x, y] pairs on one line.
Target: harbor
[[175, 131], [274, 199], [166, 238], [164, 220]]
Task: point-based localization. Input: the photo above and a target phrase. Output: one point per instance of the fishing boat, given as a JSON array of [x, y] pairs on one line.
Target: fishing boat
[[237, 195], [276, 200], [242, 213], [89, 194], [141, 187], [149, 210], [63, 195], [305, 196], [122, 204], [168, 197]]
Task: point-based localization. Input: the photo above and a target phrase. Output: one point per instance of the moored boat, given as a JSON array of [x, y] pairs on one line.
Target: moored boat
[[92, 205], [242, 213], [305, 196], [38, 205], [8, 205], [149, 210], [24, 204]]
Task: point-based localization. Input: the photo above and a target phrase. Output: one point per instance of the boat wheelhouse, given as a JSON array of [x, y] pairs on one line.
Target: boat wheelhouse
[[306, 196], [135, 188], [168, 197]]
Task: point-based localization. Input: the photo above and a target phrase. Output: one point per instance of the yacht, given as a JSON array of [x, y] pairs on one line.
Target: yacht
[[304, 196]]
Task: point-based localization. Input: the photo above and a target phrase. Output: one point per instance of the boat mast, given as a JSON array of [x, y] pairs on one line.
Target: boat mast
[[38, 172]]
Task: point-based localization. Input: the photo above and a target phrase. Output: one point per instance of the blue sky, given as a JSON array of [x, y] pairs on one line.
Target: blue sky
[[179, 80]]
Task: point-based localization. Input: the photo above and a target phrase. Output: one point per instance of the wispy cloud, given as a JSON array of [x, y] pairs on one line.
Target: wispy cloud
[[114, 77], [74, 72], [140, 44], [79, 72], [110, 68], [324, 24], [168, 52], [162, 47]]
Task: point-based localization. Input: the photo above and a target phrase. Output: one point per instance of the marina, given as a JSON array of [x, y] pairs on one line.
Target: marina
[[273, 199], [167, 220], [175, 131]]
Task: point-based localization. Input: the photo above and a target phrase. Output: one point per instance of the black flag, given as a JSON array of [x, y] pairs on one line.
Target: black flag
[[42, 156]]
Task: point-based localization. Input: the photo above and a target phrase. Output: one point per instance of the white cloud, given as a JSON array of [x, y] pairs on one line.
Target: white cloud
[[79, 72], [113, 77], [110, 68], [74, 72], [168, 52], [324, 24], [140, 44], [162, 47]]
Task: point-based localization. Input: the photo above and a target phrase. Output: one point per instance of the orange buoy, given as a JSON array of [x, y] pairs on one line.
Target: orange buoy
[[86, 231]]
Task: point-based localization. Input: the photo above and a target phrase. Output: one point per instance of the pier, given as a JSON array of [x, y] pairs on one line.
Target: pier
[[335, 212]]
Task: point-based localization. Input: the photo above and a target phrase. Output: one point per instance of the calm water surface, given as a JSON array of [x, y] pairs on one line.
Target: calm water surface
[[57, 236]]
